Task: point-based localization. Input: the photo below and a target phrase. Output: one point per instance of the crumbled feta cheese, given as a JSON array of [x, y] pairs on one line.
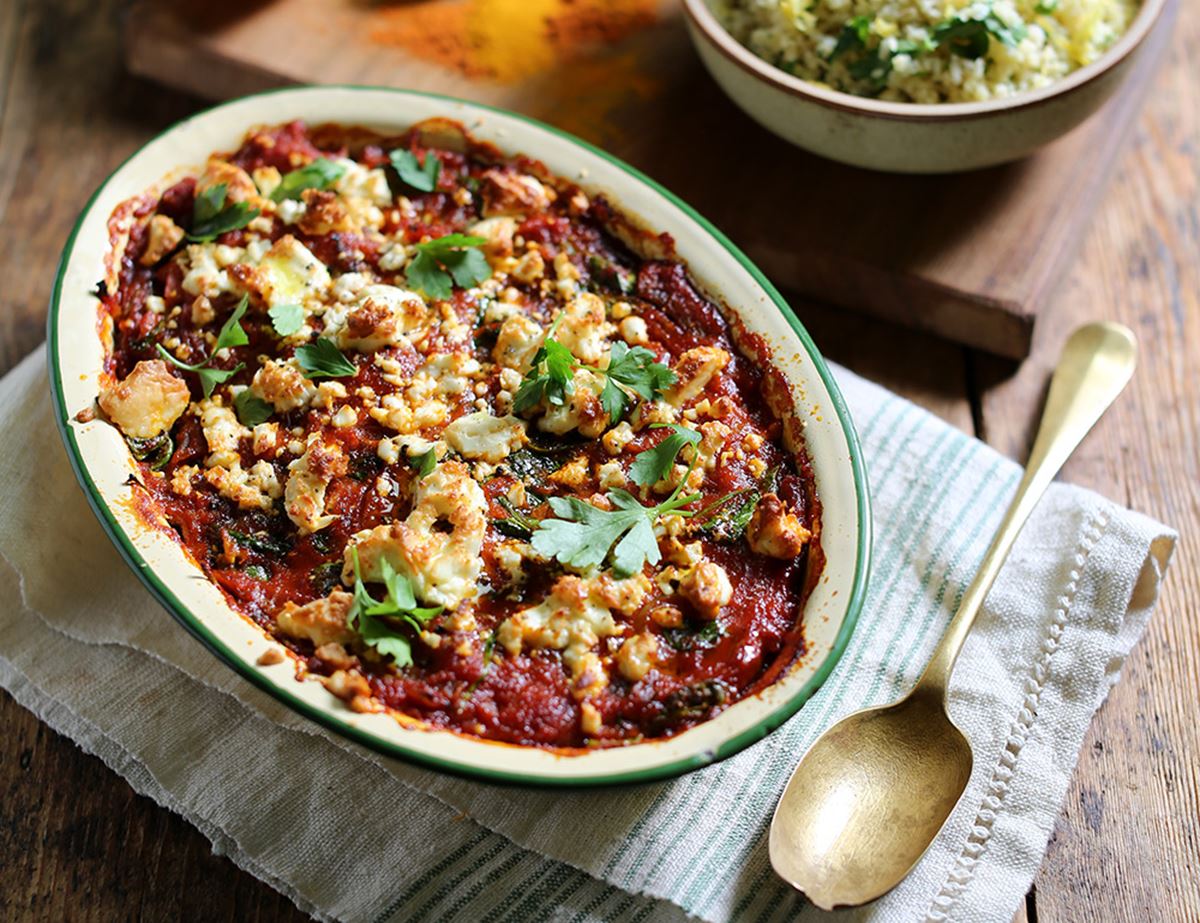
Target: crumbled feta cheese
[[481, 436], [308, 479], [222, 432], [147, 402], [289, 274], [444, 566], [282, 385]]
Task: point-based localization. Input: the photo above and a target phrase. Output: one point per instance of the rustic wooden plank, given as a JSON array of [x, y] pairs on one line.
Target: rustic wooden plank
[[972, 258], [1127, 844]]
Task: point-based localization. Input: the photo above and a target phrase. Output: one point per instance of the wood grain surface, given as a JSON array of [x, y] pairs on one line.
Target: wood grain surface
[[972, 257], [77, 844]]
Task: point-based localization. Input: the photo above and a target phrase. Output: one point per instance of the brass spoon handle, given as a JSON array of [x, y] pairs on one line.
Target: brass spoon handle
[[1096, 364]]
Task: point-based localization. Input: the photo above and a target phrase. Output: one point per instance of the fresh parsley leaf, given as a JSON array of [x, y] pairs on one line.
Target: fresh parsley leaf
[[467, 267], [424, 274], [447, 261], [375, 620], [251, 409], [210, 377], [386, 638], [549, 377], [211, 216], [320, 174], [322, 359], [652, 465], [584, 536], [971, 38], [638, 371], [231, 333], [286, 318], [422, 177], [179, 363], [853, 37], [1046, 7], [872, 67], [423, 463]]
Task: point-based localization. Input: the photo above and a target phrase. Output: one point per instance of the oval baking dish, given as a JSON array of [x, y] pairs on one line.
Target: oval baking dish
[[102, 462]]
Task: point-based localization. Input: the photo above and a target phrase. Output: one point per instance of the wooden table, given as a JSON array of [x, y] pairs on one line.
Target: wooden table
[[77, 843]]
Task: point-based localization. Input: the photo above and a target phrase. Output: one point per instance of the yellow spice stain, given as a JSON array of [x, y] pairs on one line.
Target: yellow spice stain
[[509, 40]]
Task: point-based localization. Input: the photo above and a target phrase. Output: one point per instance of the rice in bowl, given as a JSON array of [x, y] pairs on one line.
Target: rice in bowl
[[928, 51]]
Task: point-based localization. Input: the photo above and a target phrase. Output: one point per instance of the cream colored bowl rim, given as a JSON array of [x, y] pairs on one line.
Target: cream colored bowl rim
[[707, 25], [74, 370]]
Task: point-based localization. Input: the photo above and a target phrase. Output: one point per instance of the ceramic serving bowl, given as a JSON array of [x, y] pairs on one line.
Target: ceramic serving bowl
[[909, 137], [103, 464]]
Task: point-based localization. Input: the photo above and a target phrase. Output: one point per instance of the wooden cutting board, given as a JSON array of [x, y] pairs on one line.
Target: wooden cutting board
[[972, 257]]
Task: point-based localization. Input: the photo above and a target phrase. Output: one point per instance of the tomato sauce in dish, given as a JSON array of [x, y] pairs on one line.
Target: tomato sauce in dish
[[465, 441]]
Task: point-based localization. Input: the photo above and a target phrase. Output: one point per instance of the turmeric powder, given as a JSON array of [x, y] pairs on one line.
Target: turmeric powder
[[509, 40]]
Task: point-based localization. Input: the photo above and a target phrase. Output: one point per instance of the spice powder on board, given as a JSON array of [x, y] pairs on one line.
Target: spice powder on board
[[510, 40]]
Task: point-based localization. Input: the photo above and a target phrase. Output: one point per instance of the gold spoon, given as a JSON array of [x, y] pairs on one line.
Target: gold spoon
[[870, 795]]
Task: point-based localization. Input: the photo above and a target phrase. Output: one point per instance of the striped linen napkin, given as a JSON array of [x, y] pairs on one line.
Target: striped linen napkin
[[350, 835]]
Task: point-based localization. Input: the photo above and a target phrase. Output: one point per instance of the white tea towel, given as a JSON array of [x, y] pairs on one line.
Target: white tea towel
[[351, 835]]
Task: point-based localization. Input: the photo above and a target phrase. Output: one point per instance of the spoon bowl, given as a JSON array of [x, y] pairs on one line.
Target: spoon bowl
[[867, 800]]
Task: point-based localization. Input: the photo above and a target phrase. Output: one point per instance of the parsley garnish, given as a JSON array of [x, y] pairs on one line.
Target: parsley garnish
[[320, 174], [323, 359], [652, 465], [550, 377], [634, 370], [970, 38], [853, 37], [286, 318], [422, 177], [448, 261], [231, 334], [585, 536], [251, 409], [1046, 7], [424, 463], [375, 620], [211, 216]]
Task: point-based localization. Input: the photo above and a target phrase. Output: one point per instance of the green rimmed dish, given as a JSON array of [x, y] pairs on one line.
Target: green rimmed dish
[[103, 464]]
